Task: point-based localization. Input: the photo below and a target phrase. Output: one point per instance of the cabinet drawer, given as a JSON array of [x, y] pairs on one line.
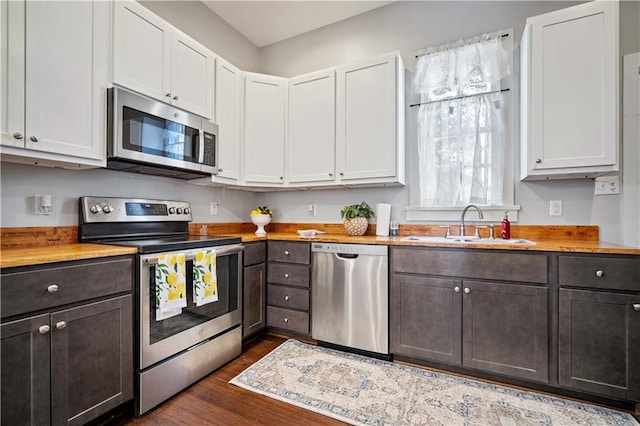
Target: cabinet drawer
[[281, 251], [288, 320], [255, 253], [472, 263], [34, 290], [282, 273], [288, 297], [616, 273]]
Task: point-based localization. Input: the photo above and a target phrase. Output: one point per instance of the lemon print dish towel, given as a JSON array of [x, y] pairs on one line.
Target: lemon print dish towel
[[205, 281], [171, 285]]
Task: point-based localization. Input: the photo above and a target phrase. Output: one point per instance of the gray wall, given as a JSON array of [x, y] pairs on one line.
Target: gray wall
[[403, 26]]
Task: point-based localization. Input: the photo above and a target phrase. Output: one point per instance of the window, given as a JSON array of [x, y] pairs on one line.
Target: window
[[463, 132]]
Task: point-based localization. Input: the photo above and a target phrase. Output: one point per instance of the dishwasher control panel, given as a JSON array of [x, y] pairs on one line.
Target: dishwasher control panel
[[363, 249]]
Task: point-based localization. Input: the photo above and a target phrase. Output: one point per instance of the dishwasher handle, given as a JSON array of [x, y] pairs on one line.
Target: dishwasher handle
[[347, 255]]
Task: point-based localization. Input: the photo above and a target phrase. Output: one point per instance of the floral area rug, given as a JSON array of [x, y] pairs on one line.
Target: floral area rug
[[367, 391]]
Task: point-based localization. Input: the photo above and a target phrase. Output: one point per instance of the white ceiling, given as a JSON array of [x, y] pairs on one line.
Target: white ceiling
[[267, 22]]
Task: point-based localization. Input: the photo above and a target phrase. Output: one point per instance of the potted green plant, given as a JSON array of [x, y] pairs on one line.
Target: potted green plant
[[356, 218]]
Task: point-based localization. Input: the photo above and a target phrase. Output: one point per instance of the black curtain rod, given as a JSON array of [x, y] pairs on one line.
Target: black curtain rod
[[503, 35], [459, 97]]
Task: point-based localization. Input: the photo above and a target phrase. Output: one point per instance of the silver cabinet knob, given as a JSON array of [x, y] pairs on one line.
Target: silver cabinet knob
[[175, 98], [341, 173], [286, 252], [456, 289], [286, 275], [330, 174], [18, 135], [33, 138], [285, 320], [539, 160], [60, 325], [168, 95], [467, 290], [286, 298], [636, 307], [44, 329], [599, 273], [281, 177], [220, 170], [52, 288]]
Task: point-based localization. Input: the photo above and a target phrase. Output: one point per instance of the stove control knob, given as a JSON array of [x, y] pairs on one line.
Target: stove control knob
[[187, 210], [107, 208], [94, 209], [172, 210], [179, 210]]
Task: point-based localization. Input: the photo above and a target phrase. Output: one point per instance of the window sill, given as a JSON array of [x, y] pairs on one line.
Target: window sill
[[492, 214]]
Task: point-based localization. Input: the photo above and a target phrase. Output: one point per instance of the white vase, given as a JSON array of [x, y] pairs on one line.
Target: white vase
[[260, 220], [356, 226]]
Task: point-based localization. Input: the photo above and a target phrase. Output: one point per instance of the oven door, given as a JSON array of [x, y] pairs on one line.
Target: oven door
[[161, 339]]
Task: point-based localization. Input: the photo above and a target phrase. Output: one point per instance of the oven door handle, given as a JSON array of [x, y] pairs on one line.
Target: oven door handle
[[223, 251]]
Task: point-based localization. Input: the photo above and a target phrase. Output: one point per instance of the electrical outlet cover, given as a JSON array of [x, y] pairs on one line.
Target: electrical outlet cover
[[607, 185], [555, 208]]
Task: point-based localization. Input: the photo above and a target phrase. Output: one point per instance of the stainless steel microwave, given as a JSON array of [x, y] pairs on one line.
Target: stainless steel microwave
[[151, 137]]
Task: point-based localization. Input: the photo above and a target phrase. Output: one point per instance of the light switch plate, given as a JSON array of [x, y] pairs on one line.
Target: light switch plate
[[607, 185]]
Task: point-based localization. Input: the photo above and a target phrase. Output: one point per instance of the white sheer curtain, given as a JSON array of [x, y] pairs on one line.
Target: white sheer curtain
[[461, 123]]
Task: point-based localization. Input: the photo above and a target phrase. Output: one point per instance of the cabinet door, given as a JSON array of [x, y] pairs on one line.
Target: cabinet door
[[142, 50], [91, 360], [254, 299], [264, 128], [426, 318], [65, 96], [312, 118], [228, 90], [505, 329], [192, 75], [574, 87], [24, 355], [12, 51], [599, 336], [366, 119]]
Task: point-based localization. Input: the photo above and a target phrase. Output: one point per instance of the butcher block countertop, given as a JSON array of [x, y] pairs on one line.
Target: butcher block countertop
[[35, 246]]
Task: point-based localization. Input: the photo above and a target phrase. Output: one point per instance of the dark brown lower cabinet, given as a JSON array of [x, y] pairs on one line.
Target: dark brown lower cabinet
[[68, 367], [254, 289], [494, 327], [599, 342]]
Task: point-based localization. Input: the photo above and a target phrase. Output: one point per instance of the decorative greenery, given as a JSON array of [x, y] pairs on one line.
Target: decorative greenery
[[263, 210], [356, 210]]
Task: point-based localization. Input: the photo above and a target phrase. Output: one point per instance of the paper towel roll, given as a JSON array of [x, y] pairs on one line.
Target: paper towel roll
[[382, 221]]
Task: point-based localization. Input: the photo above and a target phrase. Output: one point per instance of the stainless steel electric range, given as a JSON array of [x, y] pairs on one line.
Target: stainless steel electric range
[[173, 352]]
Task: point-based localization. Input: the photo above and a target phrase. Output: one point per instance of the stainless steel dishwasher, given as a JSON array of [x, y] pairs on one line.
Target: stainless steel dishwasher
[[350, 295]]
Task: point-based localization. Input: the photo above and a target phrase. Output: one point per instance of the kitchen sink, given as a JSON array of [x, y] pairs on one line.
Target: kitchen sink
[[467, 240]]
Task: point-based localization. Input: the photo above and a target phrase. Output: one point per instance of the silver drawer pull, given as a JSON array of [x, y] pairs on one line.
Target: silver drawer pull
[[44, 329], [286, 275], [599, 273], [456, 289], [18, 135], [286, 298], [52, 288], [285, 320], [636, 307], [286, 252], [467, 290], [60, 325]]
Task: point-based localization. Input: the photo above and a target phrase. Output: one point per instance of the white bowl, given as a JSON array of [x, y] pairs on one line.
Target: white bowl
[[260, 220]]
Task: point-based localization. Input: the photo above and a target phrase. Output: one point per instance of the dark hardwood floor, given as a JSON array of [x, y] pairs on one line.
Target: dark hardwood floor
[[214, 401]]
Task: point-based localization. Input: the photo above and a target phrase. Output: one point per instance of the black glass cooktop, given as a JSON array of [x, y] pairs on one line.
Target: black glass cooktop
[[157, 244]]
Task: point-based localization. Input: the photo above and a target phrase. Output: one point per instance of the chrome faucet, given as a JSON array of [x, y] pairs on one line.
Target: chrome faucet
[[480, 216]]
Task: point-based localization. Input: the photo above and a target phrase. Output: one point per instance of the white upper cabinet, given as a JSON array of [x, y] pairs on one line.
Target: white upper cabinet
[[154, 58], [312, 125], [264, 119], [370, 121], [55, 69], [227, 114], [570, 92]]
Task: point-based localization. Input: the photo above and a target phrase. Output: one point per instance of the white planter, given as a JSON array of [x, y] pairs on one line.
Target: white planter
[[260, 220], [356, 226]]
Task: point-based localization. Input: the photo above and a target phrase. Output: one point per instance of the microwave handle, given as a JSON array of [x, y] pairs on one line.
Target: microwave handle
[[201, 145]]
